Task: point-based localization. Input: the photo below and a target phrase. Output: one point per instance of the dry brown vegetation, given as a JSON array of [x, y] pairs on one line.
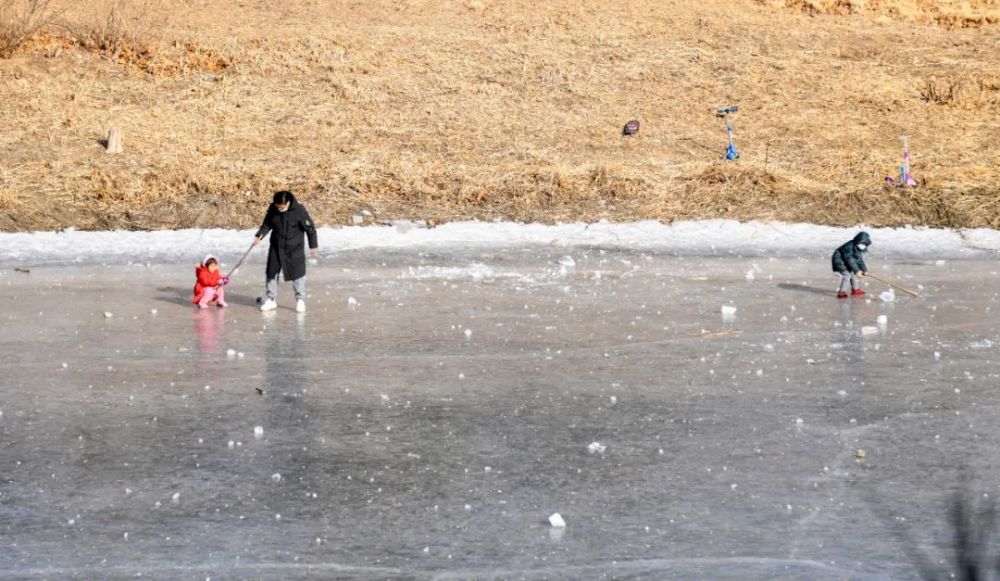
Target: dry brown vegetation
[[454, 109], [952, 13], [19, 21]]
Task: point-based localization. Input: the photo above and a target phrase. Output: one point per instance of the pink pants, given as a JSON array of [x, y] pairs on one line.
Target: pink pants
[[212, 294]]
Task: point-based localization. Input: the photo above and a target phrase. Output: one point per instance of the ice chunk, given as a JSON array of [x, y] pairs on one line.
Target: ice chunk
[[557, 521], [258, 431], [866, 330], [276, 477], [153, 311], [728, 310], [566, 264], [596, 448], [108, 314], [352, 302], [882, 320], [750, 275], [176, 498], [230, 353], [468, 333], [887, 296]]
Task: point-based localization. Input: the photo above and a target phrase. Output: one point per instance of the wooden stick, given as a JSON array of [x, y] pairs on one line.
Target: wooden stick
[[892, 284], [240, 263]]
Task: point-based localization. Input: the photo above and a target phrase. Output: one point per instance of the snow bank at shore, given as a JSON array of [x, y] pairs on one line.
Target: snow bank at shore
[[709, 238]]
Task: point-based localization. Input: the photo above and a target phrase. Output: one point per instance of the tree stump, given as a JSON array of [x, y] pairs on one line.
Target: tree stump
[[114, 143]]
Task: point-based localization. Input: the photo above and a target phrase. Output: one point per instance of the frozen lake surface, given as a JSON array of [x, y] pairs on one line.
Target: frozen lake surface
[[432, 409]]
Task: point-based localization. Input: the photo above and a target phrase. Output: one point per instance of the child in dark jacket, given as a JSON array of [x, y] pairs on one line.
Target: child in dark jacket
[[849, 263], [208, 284]]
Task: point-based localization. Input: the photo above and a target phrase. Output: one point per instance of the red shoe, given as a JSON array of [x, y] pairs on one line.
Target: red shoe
[[841, 295], [857, 293]]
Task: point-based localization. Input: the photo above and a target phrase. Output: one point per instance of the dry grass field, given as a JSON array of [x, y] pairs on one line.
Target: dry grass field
[[512, 109]]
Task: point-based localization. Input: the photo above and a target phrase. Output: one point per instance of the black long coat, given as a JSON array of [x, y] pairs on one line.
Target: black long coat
[[848, 258], [287, 253]]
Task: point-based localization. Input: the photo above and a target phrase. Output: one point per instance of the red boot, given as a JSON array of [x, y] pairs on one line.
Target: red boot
[[857, 293], [841, 295]]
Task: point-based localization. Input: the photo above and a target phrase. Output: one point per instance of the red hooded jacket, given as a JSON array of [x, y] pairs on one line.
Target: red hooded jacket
[[205, 279]]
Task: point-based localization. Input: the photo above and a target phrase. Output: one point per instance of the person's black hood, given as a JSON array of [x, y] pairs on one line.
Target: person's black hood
[[863, 238]]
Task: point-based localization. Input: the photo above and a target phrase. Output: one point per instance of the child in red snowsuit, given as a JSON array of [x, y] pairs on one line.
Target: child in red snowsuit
[[208, 284]]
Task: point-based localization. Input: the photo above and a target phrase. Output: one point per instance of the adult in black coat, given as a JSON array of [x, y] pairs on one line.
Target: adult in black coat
[[849, 262], [287, 221]]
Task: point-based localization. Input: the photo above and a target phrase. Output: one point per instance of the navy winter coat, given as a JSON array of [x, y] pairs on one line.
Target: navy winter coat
[[848, 258], [287, 253]]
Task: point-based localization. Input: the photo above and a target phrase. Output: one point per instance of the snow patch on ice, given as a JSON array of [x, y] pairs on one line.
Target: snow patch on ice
[[475, 271], [707, 237]]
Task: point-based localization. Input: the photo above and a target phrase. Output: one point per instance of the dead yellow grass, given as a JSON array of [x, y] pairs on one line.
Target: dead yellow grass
[[952, 13], [448, 109]]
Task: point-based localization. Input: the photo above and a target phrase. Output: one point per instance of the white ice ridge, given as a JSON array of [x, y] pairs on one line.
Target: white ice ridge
[[706, 237]]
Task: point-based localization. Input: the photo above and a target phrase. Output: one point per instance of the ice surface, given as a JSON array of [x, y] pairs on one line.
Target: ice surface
[[707, 474]]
